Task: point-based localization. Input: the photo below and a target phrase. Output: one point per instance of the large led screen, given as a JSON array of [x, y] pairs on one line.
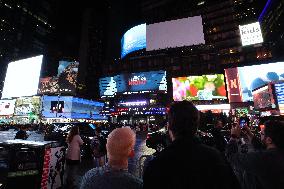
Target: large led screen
[[22, 77], [48, 85], [279, 90], [28, 105], [68, 78], [242, 80], [134, 82], [133, 40], [7, 107], [205, 87], [263, 98], [175, 33]]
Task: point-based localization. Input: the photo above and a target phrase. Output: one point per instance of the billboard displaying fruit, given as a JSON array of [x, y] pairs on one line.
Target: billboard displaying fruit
[[205, 87]]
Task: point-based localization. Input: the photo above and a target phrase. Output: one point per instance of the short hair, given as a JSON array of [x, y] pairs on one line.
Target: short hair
[[275, 130], [183, 119], [120, 142]]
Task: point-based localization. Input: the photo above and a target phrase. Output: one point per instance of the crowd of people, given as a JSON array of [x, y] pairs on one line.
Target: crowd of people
[[187, 163]]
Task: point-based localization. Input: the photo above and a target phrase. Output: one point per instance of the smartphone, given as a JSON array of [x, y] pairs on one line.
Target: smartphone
[[242, 122]]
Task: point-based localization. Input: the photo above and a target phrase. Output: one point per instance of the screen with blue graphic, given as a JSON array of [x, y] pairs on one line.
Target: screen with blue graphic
[[279, 90], [134, 82], [134, 39], [252, 77]]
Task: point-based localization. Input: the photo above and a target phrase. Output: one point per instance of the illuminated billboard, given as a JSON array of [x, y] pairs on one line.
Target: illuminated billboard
[[205, 87], [263, 98], [22, 77], [279, 90], [7, 107], [70, 107], [175, 33], [134, 39], [251, 34], [67, 78], [27, 105], [134, 83], [242, 80], [48, 85], [64, 83]]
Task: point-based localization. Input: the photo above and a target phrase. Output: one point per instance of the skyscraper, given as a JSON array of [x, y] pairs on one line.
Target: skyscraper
[[26, 28]]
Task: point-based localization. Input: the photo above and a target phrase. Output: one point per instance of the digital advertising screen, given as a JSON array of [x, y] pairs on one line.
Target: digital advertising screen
[[27, 105], [134, 39], [67, 78], [134, 82], [205, 87], [48, 85], [242, 81], [279, 90], [263, 98], [22, 77], [7, 107], [251, 34], [143, 81], [175, 33], [57, 106]]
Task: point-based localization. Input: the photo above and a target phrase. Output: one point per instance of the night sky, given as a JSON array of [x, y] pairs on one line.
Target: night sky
[[121, 15]]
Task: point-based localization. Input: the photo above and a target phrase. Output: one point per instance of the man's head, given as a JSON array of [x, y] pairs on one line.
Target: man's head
[[273, 134], [183, 120], [120, 144]]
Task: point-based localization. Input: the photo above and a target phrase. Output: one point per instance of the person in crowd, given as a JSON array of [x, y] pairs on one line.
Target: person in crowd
[[115, 175], [186, 163], [99, 148], [219, 138], [73, 156], [22, 133], [261, 169]]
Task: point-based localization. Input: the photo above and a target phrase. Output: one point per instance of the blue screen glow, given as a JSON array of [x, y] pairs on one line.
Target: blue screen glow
[[133, 82], [133, 40]]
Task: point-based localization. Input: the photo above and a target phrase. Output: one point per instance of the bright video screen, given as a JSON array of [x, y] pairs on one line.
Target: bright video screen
[[7, 107], [262, 98], [28, 105], [248, 78], [279, 90], [175, 33], [134, 82], [134, 39], [48, 85], [67, 78], [22, 77], [205, 87]]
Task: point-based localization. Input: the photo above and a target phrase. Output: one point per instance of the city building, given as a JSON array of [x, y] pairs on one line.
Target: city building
[[225, 24], [92, 50], [26, 29]]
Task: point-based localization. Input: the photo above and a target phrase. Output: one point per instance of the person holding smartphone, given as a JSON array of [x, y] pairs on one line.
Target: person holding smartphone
[[263, 168]]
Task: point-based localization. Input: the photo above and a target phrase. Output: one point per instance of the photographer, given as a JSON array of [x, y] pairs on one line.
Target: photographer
[[262, 169]]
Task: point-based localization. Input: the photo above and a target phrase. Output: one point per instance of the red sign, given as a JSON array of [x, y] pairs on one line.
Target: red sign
[[137, 80], [45, 171], [233, 85]]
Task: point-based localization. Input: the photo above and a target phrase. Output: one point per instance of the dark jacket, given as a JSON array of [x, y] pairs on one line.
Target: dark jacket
[[21, 135], [189, 164], [262, 169]]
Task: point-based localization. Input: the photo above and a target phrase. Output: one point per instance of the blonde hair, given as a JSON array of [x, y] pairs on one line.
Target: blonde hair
[[120, 142]]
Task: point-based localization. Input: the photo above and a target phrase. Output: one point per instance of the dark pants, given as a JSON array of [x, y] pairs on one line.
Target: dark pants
[[70, 173]]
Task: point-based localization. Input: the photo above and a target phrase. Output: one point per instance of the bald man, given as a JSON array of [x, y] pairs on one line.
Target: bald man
[[115, 175]]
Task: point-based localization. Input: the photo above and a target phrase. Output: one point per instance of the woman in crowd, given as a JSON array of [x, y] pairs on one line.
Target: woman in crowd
[[73, 156]]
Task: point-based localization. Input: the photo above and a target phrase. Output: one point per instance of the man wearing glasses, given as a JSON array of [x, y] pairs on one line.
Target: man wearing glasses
[[262, 169]]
